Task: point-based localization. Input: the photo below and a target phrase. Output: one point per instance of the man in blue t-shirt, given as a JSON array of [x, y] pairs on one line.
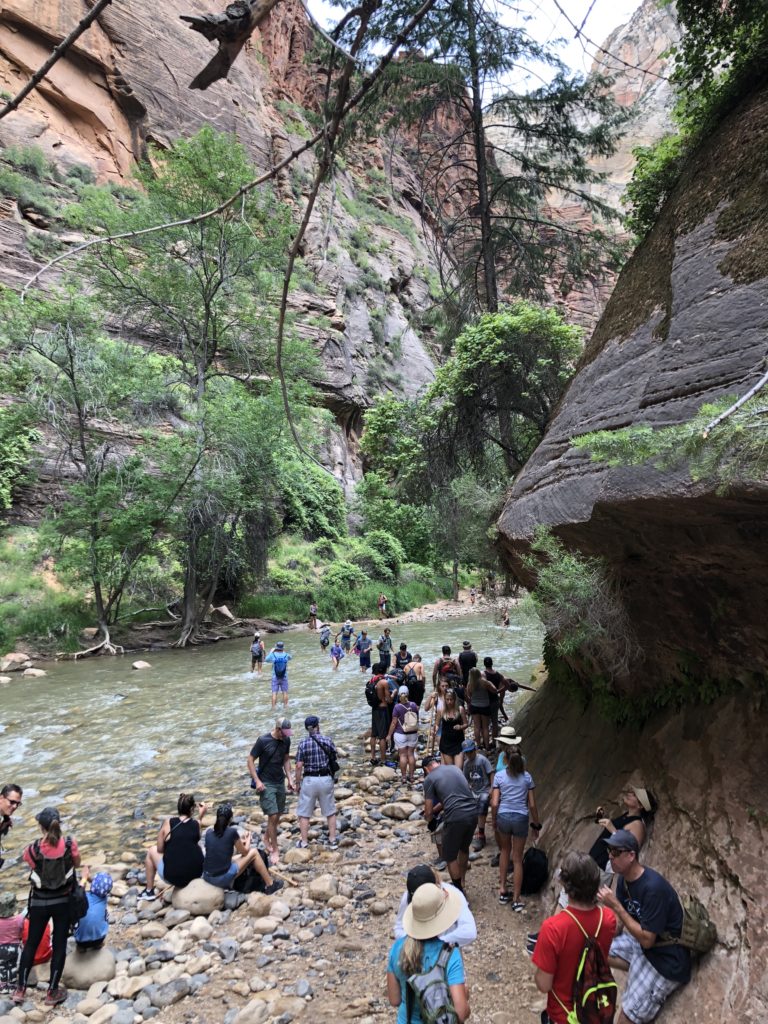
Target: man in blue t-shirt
[[648, 908], [278, 657]]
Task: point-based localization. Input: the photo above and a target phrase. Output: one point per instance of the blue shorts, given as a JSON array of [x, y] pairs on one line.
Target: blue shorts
[[365, 659], [222, 881], [280, 685], [513, 825]]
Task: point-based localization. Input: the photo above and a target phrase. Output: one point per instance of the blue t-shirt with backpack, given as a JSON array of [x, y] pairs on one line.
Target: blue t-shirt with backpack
[[279, 660]]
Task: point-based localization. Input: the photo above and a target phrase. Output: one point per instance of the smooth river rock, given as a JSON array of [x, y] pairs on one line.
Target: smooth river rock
[[81, 970], [198, 898]]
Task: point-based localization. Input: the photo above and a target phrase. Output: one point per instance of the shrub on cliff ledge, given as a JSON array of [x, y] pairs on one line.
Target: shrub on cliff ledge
[[580, 606]]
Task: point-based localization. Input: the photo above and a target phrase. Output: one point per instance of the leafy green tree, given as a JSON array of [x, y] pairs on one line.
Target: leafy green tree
[[83, 383], [382, 507], [17, 438], [204, 293]]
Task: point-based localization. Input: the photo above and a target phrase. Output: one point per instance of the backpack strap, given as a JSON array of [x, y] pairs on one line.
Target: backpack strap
[[581, 927]]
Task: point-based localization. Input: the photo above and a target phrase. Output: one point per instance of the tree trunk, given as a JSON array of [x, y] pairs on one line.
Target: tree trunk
[[481, 160], [455, 579]]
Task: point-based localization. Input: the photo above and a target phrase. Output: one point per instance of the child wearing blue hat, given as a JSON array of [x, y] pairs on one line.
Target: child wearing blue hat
[[92, 929]]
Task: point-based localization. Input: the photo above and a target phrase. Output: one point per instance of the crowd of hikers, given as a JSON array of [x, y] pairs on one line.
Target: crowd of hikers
[[448, 720]]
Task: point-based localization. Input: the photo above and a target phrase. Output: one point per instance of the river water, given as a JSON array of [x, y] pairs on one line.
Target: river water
[[113, 747]]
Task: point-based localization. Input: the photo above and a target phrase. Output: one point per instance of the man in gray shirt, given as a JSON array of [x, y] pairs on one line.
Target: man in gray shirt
[[446, 790]]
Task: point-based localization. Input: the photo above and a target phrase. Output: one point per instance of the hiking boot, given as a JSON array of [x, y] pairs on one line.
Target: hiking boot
[[147, 894], [54, 996], [276, 886]]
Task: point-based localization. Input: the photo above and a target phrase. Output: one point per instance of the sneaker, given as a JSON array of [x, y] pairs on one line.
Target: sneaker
[[276, 886], [495, 860], [148, 894], [54, 996], [440, 865], [518, 907], [301, 845], [332, 845], [19, 995], [478, 842]]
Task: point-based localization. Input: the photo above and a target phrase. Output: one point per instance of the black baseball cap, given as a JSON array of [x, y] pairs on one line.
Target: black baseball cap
[[422, 874], [311, 722]]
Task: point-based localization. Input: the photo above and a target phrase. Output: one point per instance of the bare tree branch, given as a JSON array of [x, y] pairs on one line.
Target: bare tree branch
[[736, 405], [57, 54]]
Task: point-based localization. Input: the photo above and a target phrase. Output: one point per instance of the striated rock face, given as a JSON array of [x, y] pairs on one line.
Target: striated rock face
[[125, 85], [685, 325], [706, 767]]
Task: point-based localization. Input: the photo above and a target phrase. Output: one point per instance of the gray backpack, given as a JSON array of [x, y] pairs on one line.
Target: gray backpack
[[431, 991]]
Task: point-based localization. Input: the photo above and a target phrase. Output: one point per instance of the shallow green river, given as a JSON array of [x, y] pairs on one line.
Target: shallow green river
[[113, 747]]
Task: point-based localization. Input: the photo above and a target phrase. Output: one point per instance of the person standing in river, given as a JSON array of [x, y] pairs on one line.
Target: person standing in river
[[312, 615], [52, 860], [270, 778], [384, 647], [10, 801], [279, 659], [364, 645], [258, 650]]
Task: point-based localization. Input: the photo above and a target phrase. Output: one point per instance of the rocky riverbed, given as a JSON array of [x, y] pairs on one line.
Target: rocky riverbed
[[316, 950]]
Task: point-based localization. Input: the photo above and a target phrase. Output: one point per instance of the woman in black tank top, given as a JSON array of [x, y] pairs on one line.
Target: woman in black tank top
[[639, 809], [453, 719], [177, 848]]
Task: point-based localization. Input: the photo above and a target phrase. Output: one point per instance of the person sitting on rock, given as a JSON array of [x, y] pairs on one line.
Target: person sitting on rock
[[221, 867], [92, 929], [647, 906], [314, 781], [462, 932], [640, 806], [11, 930], [176, 856]]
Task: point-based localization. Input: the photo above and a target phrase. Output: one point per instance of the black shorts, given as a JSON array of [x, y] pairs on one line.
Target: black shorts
[[457, 838], [380, 720]]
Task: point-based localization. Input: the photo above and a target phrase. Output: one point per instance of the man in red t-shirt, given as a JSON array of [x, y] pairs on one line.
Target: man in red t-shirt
[[561, 941]]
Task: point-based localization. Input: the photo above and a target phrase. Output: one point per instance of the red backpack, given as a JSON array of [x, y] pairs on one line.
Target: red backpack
[[594, 990]]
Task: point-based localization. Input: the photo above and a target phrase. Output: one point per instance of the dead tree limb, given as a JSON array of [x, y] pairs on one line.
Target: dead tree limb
[[231, 30], [57, 54], [736, 405]]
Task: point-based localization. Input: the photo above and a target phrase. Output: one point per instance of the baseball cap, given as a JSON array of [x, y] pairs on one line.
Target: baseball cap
[[622, 839], [466, 645], [468, 745], [422, 874], [279, 645], [403, 690], [284, 725], [311, 722], [47, 816]]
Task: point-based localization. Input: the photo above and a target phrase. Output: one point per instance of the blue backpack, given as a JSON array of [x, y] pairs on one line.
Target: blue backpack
[[280, 664]]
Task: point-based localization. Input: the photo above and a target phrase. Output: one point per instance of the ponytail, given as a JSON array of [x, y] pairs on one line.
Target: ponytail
[[411, 956], [513, 759], [223, 818], [53, 833]]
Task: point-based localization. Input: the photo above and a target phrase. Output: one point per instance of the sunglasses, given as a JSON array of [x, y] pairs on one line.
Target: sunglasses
[[13, 803], [618, 853]]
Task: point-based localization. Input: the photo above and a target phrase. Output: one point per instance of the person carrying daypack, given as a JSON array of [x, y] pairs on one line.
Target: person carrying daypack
[[571, 954], [258, 650], [425, 977], [52, 860], [278, 657]]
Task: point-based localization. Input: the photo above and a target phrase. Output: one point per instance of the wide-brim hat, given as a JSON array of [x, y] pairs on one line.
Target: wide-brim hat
[[432, 910], [279, 645], [642, 795], [466, 645], [508, 737]]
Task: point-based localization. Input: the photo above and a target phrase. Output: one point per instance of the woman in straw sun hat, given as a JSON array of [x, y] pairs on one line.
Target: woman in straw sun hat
[[432, 910]]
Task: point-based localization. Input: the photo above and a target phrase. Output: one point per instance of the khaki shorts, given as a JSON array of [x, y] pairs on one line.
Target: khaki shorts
[[272, 799], [316, 789]]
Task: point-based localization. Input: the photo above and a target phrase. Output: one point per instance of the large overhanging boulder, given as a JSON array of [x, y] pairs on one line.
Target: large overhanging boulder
[[685, 325]]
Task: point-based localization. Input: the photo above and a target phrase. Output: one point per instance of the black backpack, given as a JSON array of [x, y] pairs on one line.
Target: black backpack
[[370, 691], [53, 874], [535, 871]]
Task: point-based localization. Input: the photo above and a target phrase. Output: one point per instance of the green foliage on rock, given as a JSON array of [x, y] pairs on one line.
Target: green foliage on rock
[[312, 501], [734, 450], [17, 438]]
